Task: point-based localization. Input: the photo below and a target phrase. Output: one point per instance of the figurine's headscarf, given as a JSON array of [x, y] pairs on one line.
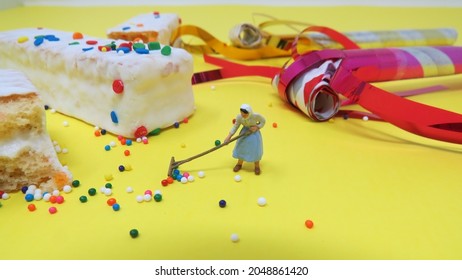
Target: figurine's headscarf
[[246, 108]]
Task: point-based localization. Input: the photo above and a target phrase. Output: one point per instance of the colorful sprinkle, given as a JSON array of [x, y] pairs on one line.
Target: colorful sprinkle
[[134, 233], [309, 224], [141, 131], [142, 51], [222, 203], [158, 197], [116, 207], [153, 46], [23, 39], [114, 117], [77, 36], [83, 199], [87, 49], [52, 210], [91, 42], [118, 86], [75, 183], [166, 50], [38, 41], [31, 207]]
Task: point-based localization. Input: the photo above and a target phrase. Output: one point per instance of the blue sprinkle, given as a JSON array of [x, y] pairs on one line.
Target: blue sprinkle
[[38, 41], [107, 148], [142, 51], [29, 197], [128, 142], [51, 38], [87, 49], [116, 207], [24, 189], [114, 117], [124, 49], [126, 28]]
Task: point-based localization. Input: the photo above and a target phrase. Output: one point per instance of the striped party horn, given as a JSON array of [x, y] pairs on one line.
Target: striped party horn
[[314, 82]]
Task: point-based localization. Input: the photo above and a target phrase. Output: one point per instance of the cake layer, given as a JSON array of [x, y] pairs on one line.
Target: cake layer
[[147, 27], [125, 88], [27, 155]]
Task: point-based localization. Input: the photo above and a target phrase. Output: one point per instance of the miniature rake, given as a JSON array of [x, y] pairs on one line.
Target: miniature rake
[[175, 164]]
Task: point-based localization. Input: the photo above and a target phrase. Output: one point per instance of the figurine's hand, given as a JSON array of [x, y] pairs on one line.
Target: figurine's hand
[[254, 128]]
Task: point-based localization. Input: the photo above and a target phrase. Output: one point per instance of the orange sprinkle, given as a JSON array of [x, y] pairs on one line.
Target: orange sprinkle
[[139, 25], [97, 133], [77, 35]]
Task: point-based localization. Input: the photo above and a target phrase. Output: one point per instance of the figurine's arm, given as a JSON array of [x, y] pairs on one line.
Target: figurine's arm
[[233, 130]]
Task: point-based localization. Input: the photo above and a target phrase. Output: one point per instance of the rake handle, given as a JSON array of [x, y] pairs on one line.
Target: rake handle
[[178, 163]]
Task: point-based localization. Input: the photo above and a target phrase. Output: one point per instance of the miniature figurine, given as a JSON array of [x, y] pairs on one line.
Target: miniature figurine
[[248, 148]]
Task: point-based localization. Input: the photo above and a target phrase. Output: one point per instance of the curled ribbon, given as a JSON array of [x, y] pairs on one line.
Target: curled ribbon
[[315, 82], [250, 43]]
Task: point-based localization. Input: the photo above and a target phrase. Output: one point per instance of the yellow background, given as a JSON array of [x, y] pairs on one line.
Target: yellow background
[[372, 190]]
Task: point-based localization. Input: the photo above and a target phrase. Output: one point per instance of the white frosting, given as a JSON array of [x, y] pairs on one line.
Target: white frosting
[[157, 88], [163, 24], [13, 82]]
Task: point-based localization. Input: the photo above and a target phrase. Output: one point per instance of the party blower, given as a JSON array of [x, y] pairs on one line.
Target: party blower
[[314, 82]]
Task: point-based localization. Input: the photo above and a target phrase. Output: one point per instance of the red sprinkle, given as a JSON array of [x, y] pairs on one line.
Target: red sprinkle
[[309, 224], [141, 131], [31, 207], [92, 42], [118, 86], [127, 153]]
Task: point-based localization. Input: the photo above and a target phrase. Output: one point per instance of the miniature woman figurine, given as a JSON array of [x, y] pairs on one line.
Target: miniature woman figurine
[[248, 148]]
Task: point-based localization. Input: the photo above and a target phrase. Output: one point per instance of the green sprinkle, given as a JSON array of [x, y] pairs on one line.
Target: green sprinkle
[[154, 46], [166, 50], [154, 132]]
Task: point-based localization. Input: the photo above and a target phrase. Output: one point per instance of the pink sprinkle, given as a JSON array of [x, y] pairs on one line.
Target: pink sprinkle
[[145, 140], [52, 210], [148, 192], [59, 199]]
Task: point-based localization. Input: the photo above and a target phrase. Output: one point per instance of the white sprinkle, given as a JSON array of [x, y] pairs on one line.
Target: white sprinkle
[[191, 178], [129, 190], [184, 180], [55, 192], [212, 87], [201, 174], [64, 150], [365, 118], [108, 191], [5, 196], [237, 178], [67, 189], [147, 197], [37, 196], [234, 237], [112, 144], [157, 192], [65, 123], [261, 201], [139, 198], [52, 111], [46, 197]]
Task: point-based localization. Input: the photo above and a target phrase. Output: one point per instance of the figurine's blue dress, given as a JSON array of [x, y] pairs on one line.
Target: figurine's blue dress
[[249, 148]]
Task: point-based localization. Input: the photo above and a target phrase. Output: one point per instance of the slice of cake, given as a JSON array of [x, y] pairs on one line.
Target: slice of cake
[[147, 27], [27, 155], [127, 88]]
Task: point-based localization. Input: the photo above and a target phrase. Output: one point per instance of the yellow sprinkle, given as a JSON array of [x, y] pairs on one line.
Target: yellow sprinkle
[[108, 177], [23, 39], [128, 167]]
